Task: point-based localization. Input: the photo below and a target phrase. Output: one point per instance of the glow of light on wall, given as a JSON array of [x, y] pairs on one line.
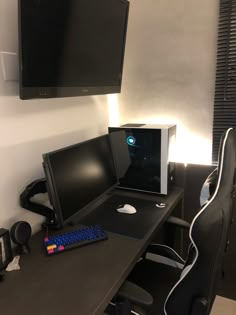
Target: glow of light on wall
[[113, 109], [190, 148]]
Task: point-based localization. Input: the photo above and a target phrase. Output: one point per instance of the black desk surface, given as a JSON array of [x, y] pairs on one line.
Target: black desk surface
[[134, 226], [81, 281]]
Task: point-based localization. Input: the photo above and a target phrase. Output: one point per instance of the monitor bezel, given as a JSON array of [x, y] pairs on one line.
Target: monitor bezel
[[52, 192]]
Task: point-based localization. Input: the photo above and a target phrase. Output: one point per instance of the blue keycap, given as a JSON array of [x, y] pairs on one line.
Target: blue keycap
[[80, 237]]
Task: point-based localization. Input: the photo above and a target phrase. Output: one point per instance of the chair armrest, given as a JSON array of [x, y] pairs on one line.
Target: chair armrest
[[135, 294], [165, 251], [178, 222]]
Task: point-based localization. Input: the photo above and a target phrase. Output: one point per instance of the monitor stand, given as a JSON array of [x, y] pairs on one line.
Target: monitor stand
[[38, 187]]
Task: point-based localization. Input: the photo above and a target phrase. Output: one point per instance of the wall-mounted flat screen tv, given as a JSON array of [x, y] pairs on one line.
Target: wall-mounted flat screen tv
[[71, 47]]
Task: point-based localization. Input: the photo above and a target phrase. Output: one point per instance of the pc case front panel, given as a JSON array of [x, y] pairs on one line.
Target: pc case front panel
[[138, 158]]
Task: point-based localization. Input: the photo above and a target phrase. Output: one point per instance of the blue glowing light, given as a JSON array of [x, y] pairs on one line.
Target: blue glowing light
[[130, 140]]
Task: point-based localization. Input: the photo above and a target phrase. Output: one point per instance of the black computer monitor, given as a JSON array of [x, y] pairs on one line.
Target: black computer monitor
[[78, 175], [71, 47]]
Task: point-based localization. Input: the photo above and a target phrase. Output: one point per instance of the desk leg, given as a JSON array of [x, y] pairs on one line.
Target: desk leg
[[174, 235]]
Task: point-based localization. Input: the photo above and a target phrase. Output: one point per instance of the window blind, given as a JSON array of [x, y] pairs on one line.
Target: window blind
[[225, 85]]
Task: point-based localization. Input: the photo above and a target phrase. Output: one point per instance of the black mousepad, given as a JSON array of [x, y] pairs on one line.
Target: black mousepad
[[132, 225]]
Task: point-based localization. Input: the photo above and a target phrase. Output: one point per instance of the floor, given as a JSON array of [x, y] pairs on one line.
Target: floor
[[223, 306]]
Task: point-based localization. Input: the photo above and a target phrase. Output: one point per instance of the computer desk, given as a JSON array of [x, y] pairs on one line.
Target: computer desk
[[81, 281]]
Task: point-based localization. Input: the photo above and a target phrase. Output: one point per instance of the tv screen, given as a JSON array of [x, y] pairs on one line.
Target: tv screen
[[71, 47], [78, 175]]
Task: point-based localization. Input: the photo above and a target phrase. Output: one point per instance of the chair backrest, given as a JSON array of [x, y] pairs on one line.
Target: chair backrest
[[195, 291], [208, 187]]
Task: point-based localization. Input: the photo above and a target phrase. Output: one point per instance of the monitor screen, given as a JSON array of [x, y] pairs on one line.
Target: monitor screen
[[71, 47], [79, 174]]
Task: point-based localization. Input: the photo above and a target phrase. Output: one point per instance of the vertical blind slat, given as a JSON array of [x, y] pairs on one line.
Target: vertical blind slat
[[225, 88]]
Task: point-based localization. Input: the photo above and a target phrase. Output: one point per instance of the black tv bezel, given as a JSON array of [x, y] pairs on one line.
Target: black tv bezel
[[52, 192], [40, 92]]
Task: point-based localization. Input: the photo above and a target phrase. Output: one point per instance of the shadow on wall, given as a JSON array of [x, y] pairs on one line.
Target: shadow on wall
[[11, 104], [9, 92], [21, 164], [8, 42], [15, 106], [8, 88]]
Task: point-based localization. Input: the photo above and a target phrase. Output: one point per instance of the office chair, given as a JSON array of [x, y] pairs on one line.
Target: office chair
[[173, 223], [160, 289]]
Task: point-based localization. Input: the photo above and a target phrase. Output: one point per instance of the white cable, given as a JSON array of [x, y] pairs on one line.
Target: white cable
[[155, 244], [197, 216]]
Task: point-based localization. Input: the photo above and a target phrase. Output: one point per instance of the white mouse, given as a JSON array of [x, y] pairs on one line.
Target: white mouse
[[127, 209]]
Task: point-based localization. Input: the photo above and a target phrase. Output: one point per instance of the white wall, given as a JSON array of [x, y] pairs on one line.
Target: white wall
[[170, 71], [168, 77], [30, 128]]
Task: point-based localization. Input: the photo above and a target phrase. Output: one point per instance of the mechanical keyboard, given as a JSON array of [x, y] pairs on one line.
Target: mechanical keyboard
[[80, 237]]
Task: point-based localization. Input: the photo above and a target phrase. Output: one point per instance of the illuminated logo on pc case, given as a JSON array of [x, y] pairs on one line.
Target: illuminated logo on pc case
[[130, 140]]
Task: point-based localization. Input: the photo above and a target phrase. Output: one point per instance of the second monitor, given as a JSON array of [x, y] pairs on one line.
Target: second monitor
[[77, 175]]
